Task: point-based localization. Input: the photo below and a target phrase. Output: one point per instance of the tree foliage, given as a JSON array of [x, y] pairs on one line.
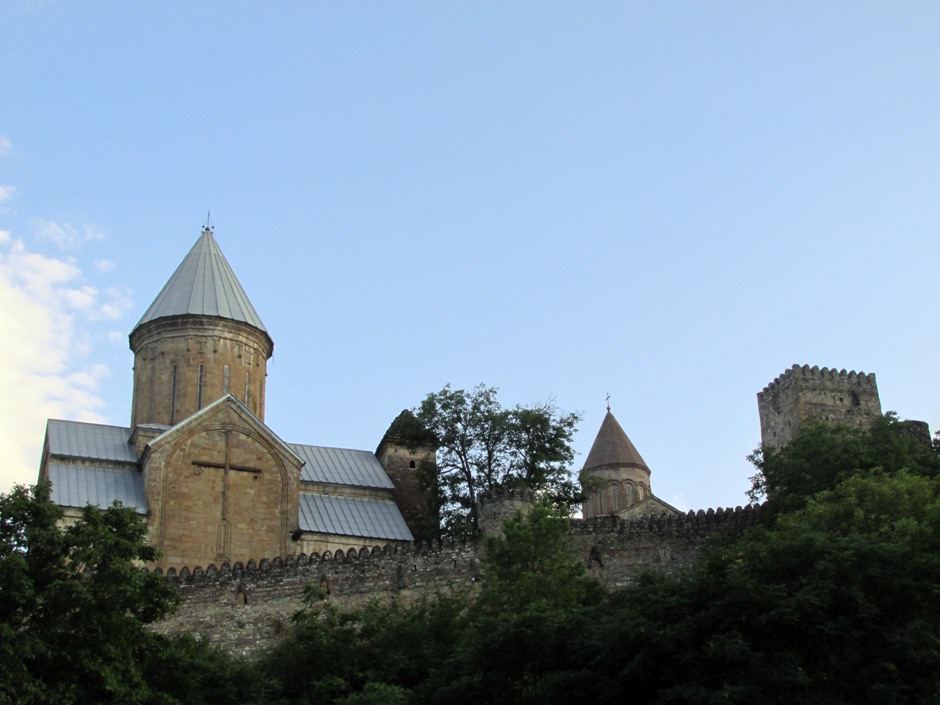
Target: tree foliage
[[75, 605], [519, 645], [821, 456], [833, 600], [483, 446], [509, 642]]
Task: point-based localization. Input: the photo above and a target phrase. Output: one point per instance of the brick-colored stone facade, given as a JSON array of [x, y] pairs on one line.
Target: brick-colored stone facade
[[221, 485], [184, 363]]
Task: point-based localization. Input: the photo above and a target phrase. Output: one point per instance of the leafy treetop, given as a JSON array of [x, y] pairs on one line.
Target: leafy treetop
[[482, 446]]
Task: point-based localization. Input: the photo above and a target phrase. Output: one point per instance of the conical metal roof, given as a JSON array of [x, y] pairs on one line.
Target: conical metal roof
[[612, 448], [203, 285]]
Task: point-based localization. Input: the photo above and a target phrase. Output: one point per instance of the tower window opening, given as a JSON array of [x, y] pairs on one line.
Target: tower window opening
[[202, 379], [247, 389], [153, 375], [411, 464], [225, 376], [173, 397]]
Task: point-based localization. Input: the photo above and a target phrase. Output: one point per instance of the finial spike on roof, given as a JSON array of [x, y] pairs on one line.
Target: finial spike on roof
[[208, 226], [608, 401]]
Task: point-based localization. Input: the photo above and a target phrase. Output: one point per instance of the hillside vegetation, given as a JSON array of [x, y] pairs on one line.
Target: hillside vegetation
[[834, 598]]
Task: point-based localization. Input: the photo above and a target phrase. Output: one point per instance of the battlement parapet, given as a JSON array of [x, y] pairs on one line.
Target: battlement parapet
[[504, 494], [822, 374], [302, 563], [670, 523]]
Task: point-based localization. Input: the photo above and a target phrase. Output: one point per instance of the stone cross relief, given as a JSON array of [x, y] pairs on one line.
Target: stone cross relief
[[224, 538]]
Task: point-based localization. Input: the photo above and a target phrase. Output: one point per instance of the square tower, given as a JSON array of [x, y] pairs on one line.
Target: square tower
[[806, 393]]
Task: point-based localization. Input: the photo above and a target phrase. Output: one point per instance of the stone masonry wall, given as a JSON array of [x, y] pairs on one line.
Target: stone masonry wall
[[185, 363], [245, 608], [220, 490], [801, 393]]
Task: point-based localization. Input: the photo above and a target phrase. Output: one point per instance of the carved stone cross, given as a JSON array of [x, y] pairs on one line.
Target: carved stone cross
[[224, 533]]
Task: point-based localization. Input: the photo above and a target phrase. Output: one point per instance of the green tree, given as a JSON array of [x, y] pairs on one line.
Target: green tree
[[184, 670], [833, 600], [536, 597], [75, 604], [822, 456], [383, 649], [483, 446]]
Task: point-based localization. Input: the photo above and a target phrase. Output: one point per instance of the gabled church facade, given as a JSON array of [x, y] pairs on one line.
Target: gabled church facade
[[215, 483]]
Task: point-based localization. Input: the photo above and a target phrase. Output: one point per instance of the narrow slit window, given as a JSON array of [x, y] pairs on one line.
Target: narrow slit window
[[225, 374], [153, 375], [173, 397], [202, 379]]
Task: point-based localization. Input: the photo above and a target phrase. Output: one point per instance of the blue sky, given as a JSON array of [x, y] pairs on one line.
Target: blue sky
[[668, 202]]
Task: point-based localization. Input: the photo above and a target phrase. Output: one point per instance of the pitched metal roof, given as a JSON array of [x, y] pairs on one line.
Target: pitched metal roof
[[613, 448], [341, 466], [89, 441], [203, 285], [352, 516], [76, 485]]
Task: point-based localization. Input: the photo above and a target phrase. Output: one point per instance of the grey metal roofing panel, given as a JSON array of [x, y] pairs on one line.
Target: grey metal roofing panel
[[203, 285], [352, 516], [341, 466], [75, 485], [90, 441]]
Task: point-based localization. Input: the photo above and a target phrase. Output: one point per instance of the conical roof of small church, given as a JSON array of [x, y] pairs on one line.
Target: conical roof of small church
[[612, 448], [203, 285]]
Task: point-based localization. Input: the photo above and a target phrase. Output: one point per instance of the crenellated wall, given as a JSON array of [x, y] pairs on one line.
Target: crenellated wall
[[244, 608], [823, 394]]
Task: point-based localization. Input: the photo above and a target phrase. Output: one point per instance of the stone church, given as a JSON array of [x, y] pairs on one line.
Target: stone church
[[216, 484]]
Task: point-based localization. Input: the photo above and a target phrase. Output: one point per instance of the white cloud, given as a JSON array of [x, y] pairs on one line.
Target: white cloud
[[65, 235], [7, 194], [104, 266], [42, 304], [5, 145]]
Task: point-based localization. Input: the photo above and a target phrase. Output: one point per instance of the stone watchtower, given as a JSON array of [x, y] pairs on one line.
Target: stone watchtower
[[804, 393], [200, 339], [408, 455], [494, 507]]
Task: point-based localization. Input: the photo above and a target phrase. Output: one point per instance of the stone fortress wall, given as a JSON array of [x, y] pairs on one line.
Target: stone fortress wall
[[245, 608]]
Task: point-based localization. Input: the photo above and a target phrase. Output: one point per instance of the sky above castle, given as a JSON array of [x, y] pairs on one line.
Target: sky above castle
[[670, 203]]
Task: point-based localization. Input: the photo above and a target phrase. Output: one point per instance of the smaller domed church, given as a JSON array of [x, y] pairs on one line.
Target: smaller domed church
[[616, 479], [214, 481]]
